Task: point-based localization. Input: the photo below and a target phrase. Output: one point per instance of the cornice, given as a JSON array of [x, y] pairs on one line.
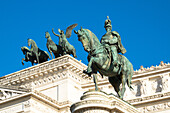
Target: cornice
[[41, 97], [16, 88], [162, 67], [67, 62], [55, 65]]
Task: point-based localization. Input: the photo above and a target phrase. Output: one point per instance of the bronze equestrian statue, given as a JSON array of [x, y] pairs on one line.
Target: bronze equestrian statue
[[52, 47], [31, 56], [102, 58], [63, 42]]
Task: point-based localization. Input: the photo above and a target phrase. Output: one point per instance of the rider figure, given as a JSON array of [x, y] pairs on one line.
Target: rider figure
[[112, 42]]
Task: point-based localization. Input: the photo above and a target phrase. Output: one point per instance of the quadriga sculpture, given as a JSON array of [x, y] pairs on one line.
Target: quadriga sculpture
[[63, 42], [28, 56], [101, 61], [52, 47], [42, 56], [33, 50]]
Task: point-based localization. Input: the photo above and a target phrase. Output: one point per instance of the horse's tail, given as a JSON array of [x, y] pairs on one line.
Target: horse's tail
[[130, 78], [47, 54], [73, 52]]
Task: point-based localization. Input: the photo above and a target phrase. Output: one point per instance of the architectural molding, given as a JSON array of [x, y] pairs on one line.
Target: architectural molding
[[93, 101]]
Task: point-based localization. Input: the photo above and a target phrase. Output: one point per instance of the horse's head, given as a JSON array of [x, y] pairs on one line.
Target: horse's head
[[47, 34], [29, 42], [84, 39], [24, 49]]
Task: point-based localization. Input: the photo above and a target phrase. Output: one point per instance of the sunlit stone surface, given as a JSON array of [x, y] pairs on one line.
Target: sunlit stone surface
[[55, 85]]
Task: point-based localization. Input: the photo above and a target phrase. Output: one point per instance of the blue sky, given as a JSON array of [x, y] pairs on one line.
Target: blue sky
[[144, 27]]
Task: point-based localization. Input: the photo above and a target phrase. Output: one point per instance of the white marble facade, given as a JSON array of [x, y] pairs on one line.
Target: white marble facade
[[57, 84]]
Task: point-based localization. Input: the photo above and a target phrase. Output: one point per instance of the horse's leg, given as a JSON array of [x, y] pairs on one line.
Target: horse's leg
[[95, 82], [37, 57], [32, 63], [89, 68], [115, 82], [27, 55], [49, 49], [130, 74], [74, 52], [22, 61], [94, 61], [51, 55], [124, 79]]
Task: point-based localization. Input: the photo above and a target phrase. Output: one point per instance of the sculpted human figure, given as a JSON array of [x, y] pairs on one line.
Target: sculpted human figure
[[144, 88], [52, 47], [112, 42], [63, 42], [101, 61], [165, 82]]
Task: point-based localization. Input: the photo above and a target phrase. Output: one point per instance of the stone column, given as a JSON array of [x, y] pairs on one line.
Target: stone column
[[100, 102]]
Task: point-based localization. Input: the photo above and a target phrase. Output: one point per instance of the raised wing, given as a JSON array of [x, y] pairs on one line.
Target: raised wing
[[55, 33], [69, 30]]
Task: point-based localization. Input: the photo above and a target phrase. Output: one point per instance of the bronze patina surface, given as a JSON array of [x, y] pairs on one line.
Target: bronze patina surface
[[34, 55], [67, 48], [104, 57]]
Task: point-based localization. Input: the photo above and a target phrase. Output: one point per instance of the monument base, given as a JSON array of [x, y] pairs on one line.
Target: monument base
[[100, 102]]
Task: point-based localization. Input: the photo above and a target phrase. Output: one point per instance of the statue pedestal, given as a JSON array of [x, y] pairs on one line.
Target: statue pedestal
[[100, 102]]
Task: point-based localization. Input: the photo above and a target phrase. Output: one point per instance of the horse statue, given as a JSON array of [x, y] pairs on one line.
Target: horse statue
[[34, 55], [28, 56], [52, 47], [44, 56], [63, 42], [34, 50], [100, 61]]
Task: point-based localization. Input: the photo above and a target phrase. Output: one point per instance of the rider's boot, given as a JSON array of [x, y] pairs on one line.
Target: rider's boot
[[117, 65]]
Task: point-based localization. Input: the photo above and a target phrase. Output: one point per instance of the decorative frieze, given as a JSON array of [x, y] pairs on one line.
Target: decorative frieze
[[57, 66], [149, 98], [155, 108]]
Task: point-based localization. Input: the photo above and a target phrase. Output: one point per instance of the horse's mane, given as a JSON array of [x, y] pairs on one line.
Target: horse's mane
[[47, 34], [33, 42], [25, 49], [91, 34]]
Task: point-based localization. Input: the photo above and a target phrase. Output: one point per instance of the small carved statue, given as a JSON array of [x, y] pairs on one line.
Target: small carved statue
[[34, 55], [63, 42], [165, 82], [52, 47]]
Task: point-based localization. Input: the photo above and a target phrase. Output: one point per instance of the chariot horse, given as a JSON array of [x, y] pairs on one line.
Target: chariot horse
[[40, 55]]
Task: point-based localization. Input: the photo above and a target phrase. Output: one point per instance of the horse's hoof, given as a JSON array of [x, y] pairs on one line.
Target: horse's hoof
[[89, 74], [85, 71]]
